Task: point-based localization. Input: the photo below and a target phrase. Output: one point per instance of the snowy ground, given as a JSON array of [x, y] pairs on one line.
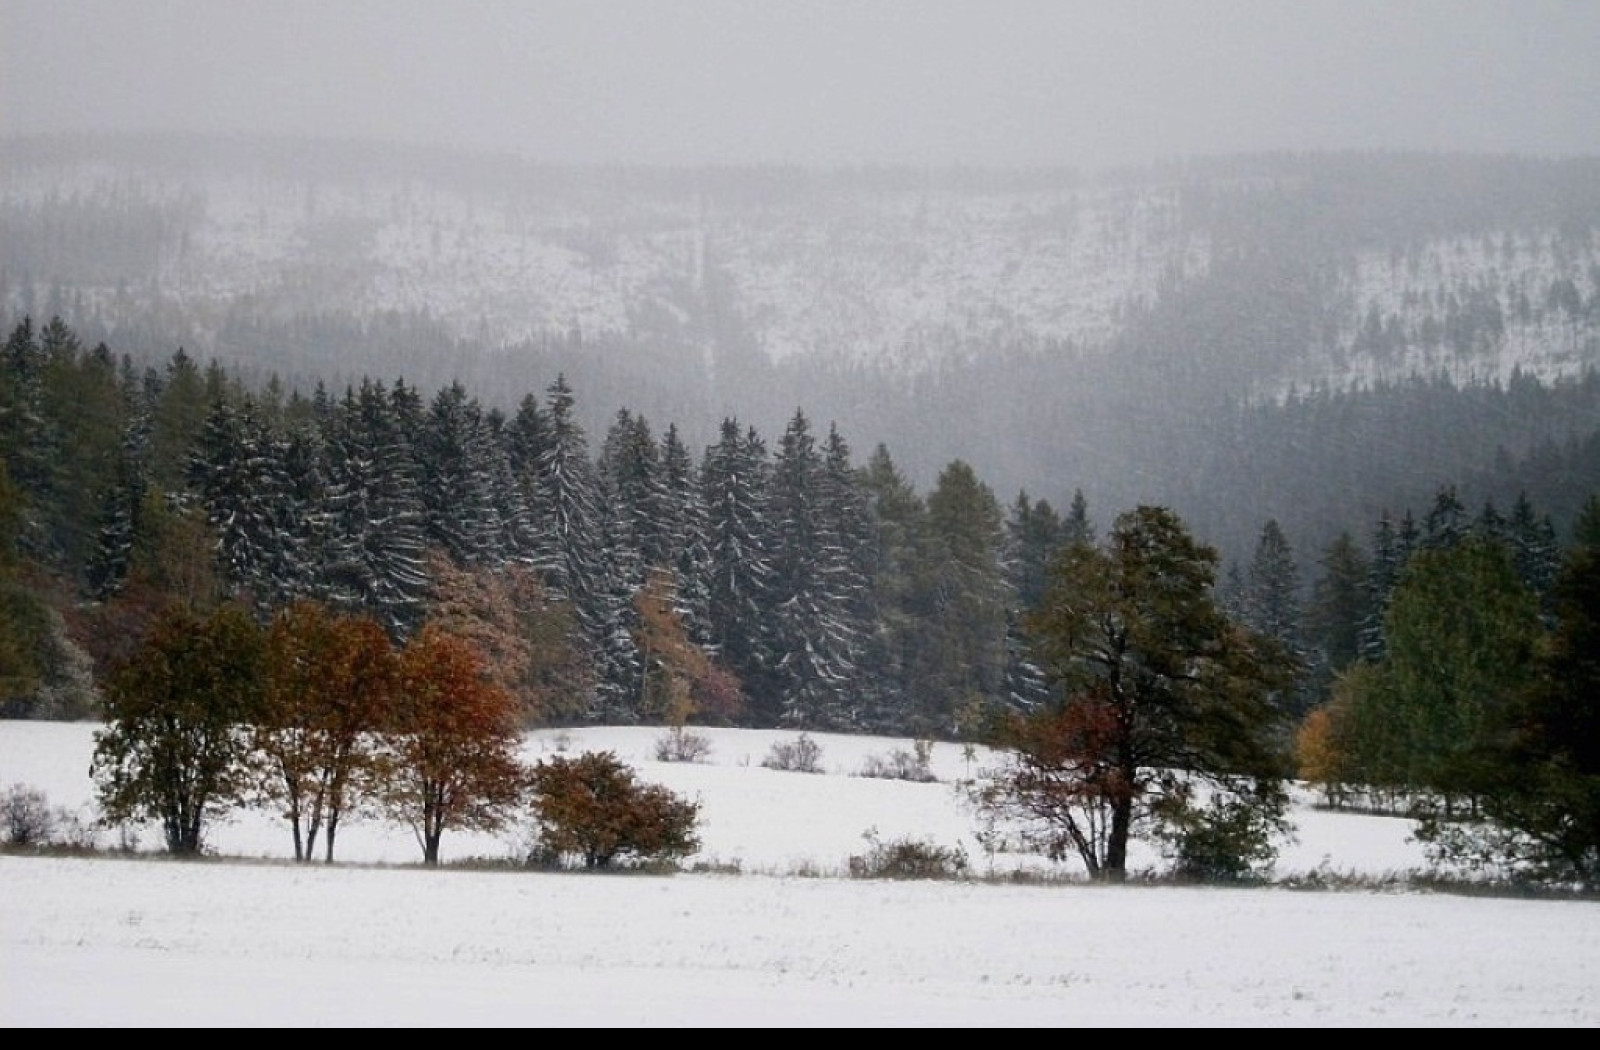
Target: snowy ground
[[376, 941]]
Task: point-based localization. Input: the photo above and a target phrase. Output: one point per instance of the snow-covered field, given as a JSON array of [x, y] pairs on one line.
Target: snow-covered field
[[787, 941]]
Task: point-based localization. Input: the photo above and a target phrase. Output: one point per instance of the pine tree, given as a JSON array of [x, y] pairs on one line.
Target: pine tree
[[1077, 528], [733, 477], [457, 460], [630, 477], [807, 607], [683, 528], [1446, 524], [119, 515], [524, 438], [847, 574], [1339, 604], [1034, 536], [1534, 547], [959, 668], [26, 435], [236, 470], [178, 409], [1272, 608], [899, 519], [1391, 551], [567, 504], [376, 535], [306, 509]]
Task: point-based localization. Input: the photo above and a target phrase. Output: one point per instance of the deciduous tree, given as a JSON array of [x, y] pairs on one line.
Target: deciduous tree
[[451, 742], [329, 681], [176, 741], [594, 807], [1162, 712], [526, 636]]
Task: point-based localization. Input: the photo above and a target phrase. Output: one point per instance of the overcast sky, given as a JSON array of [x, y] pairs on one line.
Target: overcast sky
[[1014, 82]]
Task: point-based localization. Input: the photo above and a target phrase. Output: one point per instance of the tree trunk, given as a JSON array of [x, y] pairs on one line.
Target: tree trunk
[[1116, 865]]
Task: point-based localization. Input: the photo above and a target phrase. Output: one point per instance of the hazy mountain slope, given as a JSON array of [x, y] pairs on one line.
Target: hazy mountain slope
[[898, 269], [1056, 330]]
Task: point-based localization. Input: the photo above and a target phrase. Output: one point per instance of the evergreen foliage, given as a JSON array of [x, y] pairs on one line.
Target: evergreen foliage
[[959, 664], [1163, 717], [376, 524], [734, 479]]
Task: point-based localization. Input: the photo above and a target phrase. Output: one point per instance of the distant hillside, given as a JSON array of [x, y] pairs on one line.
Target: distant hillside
[[1057, 330]]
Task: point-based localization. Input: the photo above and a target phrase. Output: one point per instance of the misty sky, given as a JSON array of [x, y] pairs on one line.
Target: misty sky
[[1013, 82]]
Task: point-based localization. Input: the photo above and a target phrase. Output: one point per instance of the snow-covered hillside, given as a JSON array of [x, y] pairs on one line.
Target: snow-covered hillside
[[899, 270]]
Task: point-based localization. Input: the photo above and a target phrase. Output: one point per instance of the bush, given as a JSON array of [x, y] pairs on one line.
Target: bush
[[1226, 840], [681, 745], [75, 831], [26, 816], [900, 764], [802, 755], [908, 858], [593, 807]]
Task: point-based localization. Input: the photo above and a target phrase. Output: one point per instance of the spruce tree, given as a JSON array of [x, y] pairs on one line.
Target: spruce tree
[[236, 471], [809, 636], [457, 461], [959, 672], [377, 535], [1340, 602], [899, 520], [734, 480], [683, 528]]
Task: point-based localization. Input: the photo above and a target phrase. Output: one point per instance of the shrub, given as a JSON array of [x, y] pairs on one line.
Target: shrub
[[593, 807], [802, 755], [1226, 840], [908, 858], [26, 816], [681, 745], [900, 764], [75, 831]]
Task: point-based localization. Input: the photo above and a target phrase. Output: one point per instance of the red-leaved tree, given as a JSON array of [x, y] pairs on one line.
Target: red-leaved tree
[[451, 743], [330, 681]]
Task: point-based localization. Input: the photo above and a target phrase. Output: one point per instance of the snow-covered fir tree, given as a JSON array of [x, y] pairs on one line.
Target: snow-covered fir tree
[[236, 469], [734, 480], [376, 536], [814, 586], [457, 457]]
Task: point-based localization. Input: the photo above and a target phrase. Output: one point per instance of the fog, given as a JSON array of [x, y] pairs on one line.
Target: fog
[[998, 82]]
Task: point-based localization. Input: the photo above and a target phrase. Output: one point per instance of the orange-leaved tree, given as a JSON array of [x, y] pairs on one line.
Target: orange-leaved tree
[[451, 743], [593, 807], [329, 683], [680, 681], [525, 634]]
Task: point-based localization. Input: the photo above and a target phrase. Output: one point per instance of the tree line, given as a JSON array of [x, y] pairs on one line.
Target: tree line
[[782, 584], [754, 585]]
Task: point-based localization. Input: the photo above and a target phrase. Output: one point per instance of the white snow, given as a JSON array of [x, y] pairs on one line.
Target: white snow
[[376, 940]]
